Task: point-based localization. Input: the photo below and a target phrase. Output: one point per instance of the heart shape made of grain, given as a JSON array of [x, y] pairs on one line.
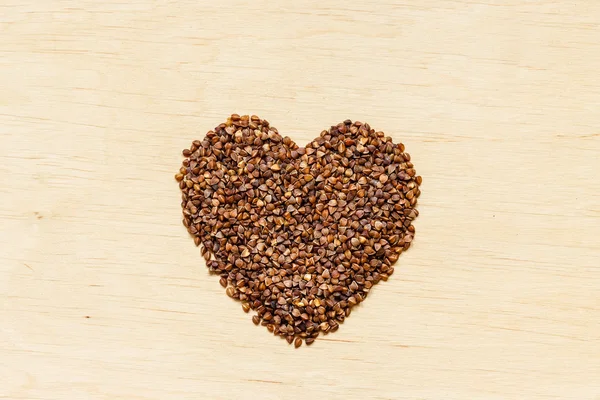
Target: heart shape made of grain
[[299, 235]]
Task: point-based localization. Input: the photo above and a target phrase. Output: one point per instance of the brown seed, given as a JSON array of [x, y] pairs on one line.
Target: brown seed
[[300, 235], [297, 342]]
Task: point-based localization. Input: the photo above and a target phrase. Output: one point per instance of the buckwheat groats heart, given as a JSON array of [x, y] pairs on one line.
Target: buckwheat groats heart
[[299, 235]]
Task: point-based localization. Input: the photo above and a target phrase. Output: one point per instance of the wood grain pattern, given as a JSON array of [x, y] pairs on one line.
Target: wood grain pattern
[[104, 296]]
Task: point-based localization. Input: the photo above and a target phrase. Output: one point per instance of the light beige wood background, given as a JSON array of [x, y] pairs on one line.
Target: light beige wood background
[[104, 296]]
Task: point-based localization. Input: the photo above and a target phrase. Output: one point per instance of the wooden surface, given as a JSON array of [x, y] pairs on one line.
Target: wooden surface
[[104, 296]]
